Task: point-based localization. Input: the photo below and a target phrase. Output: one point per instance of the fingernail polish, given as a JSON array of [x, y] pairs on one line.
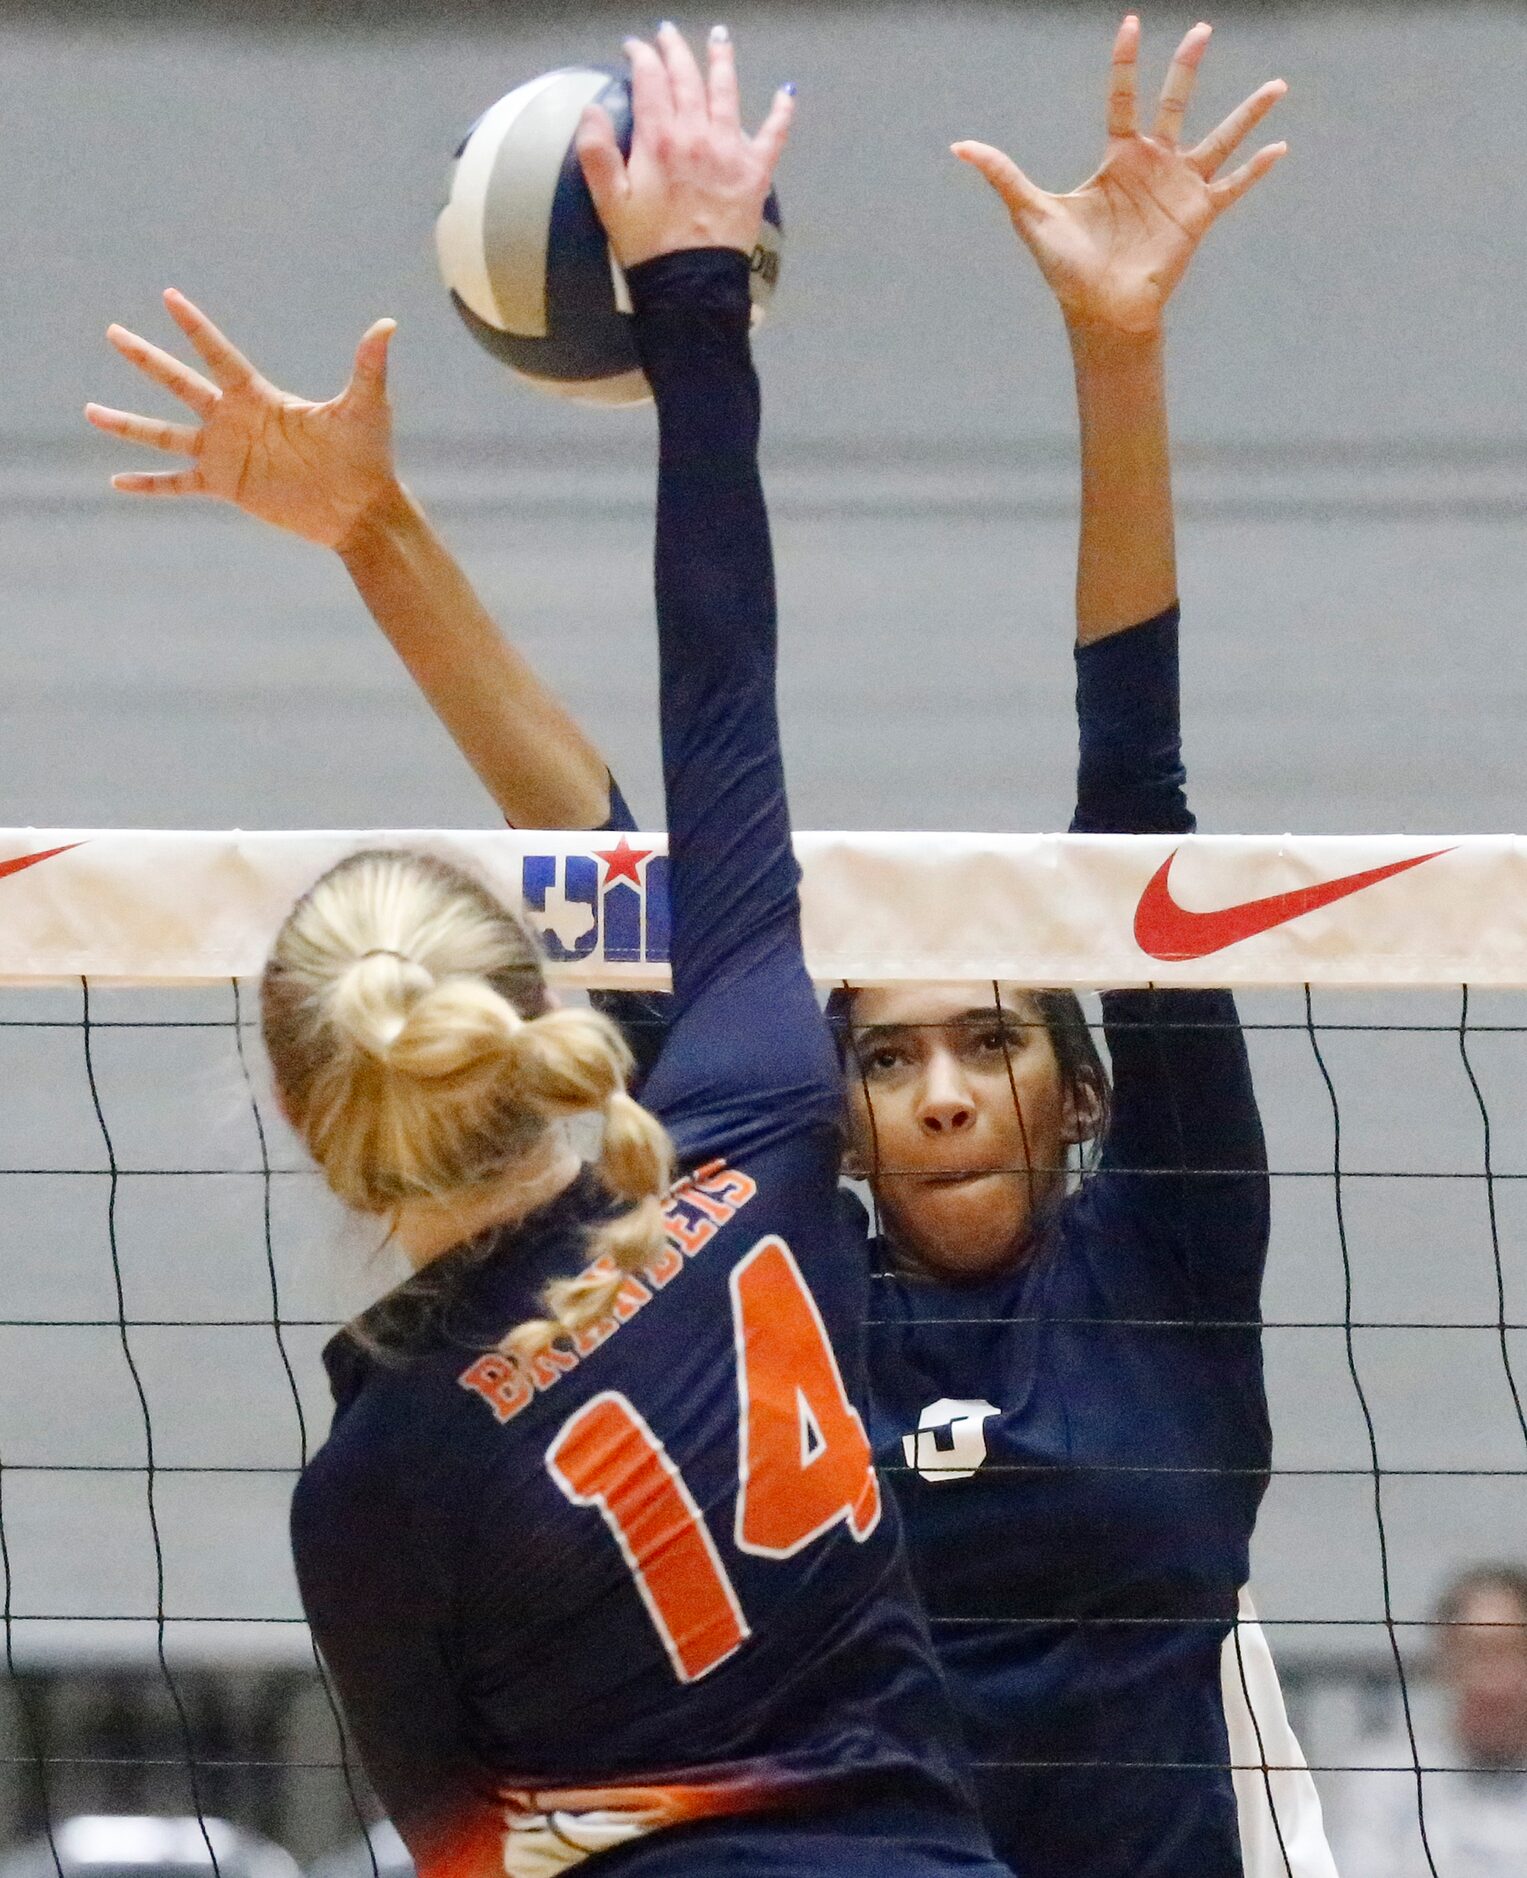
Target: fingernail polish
[[788, 88], [666, 26], [719, 35]]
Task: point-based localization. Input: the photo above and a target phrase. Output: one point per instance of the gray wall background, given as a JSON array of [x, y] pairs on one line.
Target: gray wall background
[[1349, 381]]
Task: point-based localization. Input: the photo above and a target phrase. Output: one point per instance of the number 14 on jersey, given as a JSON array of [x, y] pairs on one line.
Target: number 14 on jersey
[[804, 1465]]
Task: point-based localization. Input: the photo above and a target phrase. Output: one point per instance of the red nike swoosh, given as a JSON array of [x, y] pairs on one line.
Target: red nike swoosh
[[1165, 930], [31, 860]]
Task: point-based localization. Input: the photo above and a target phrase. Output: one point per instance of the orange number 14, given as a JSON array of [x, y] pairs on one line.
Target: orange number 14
[[804, 1466]]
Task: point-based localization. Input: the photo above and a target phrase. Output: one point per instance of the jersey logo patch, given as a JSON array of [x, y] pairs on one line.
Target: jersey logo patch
[[950, 1443]]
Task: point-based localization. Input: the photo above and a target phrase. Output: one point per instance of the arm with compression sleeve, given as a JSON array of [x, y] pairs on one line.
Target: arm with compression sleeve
[[746, 1033], [1185, 1140]]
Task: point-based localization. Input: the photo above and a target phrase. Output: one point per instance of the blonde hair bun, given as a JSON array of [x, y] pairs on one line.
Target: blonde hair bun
[[438, 1030], [372, 998], [406, 1015]]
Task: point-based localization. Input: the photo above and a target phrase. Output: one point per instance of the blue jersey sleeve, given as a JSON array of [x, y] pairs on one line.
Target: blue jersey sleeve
[[1184, 1152], [746, 1037], [373, 1560]]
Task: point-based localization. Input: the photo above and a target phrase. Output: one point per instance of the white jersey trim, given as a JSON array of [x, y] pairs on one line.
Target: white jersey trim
[[1282, 1830]]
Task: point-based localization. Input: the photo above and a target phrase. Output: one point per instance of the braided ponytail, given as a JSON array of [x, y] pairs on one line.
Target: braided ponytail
[[635, 1164]]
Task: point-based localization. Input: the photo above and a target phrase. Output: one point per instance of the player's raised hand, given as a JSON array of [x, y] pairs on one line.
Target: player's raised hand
[[312, 469], [1114, 249], [694, 178]]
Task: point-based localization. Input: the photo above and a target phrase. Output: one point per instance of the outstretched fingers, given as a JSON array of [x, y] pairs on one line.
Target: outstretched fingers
[[1122, 120], [1022, 198], [178, 379], [1231, 188], [152, 432], [1181, 77], [684, 79], [651, 93], [369, 374], [1226, 138], [228, 366]]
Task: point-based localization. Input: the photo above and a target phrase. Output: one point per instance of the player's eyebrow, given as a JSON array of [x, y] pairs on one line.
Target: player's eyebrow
[[868, 1036], [872, 1035], [977, 1016]]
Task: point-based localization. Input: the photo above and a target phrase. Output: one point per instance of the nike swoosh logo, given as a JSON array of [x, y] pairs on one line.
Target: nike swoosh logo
[[1165, 930], [31, 860]]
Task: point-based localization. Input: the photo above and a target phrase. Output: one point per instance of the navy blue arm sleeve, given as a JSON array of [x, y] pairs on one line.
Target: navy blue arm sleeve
[[1129, 774], [1184, 1148], [745, 1030], [373, 1563]]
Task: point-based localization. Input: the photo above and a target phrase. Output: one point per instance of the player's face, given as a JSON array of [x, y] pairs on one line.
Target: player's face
[[1484, 1663], [959, 1120]]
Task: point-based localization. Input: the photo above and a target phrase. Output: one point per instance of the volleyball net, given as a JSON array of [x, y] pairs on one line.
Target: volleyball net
[[173, 1265]]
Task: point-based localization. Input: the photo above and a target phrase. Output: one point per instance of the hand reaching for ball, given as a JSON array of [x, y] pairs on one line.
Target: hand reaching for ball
[[694, 178]]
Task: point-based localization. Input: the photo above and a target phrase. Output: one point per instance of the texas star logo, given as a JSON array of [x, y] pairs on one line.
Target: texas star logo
[[613, 901], [1165, 930]]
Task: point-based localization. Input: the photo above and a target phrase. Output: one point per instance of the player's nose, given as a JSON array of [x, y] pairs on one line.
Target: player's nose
[[944, 1106]]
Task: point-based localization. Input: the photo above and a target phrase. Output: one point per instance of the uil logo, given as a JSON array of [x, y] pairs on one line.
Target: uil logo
[[613, 902], [950, 1443]]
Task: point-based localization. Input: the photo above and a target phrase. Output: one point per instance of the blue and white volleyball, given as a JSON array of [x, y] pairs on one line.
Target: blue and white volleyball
[[525, 257]]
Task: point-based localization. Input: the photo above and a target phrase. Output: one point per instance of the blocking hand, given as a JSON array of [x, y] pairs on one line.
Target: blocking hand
[[312, 469]]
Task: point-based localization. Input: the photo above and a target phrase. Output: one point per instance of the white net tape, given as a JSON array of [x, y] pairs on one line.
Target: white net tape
[[1081, 910]]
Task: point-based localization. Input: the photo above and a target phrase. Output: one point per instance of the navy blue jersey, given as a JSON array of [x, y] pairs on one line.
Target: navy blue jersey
[[648, 1579], [1080, 1469]]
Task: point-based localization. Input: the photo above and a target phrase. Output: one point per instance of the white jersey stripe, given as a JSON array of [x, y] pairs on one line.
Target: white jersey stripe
[[1282, 1831]]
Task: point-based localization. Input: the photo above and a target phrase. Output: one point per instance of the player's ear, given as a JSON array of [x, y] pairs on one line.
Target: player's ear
[[853, 1164], [1081, 1114], [855, 1158]]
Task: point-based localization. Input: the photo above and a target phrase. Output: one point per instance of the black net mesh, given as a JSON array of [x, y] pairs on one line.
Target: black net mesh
[[170, 1277], [172, 1268]]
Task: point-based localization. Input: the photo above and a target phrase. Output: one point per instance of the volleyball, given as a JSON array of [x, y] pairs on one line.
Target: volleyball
[[523, 253]]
